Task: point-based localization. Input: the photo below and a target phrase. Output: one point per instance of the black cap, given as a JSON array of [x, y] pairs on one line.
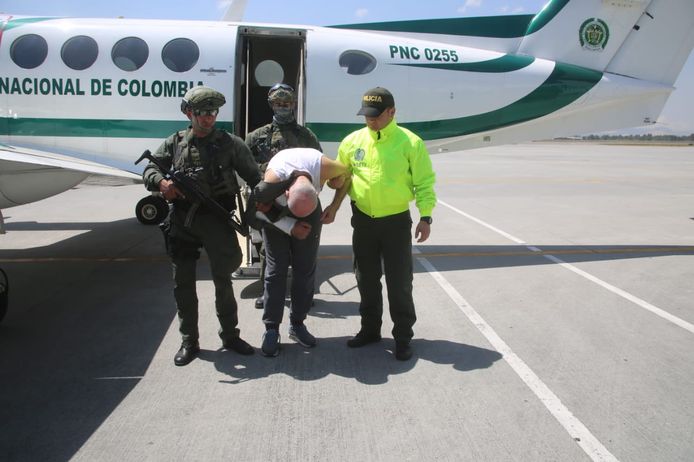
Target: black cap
[[375, 101]]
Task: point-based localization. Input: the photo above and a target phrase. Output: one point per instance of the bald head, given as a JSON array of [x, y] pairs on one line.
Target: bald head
[[302, 197]]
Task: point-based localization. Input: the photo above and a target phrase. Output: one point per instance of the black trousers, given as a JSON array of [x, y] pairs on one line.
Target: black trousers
[[384, 243]]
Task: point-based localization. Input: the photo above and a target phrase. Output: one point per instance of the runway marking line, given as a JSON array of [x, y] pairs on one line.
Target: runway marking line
[[615, 290], [574, 427]]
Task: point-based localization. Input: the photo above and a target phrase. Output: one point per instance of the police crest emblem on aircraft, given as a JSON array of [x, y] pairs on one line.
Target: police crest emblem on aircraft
[[359, 154], [594, 34]]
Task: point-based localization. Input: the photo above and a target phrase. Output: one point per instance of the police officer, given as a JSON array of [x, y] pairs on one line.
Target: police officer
[[282, 133], [213, 157], [390, 167]]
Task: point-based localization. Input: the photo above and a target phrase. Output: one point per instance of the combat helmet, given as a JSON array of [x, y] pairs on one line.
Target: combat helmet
[[202, 98], [281, 92]]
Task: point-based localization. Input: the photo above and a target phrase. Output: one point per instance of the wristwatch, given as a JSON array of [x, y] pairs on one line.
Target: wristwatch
[[426, 219]]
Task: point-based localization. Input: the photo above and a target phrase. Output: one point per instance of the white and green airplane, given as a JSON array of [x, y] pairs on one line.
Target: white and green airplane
[[88, 96]]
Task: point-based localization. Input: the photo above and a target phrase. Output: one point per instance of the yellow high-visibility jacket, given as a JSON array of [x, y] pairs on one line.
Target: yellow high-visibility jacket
[[389, 169]]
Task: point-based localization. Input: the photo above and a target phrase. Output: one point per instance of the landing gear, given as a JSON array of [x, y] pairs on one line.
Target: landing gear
[[151, 210], [4, 294]]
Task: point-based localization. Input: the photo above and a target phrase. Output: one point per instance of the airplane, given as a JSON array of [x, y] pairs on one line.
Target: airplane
[[88, 96]]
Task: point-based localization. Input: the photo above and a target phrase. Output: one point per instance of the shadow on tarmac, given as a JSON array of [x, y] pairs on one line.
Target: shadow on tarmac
[[71, 354], [79, 334], [370, 365]]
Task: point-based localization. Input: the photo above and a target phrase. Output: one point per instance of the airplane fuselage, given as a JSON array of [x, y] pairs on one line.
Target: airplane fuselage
[[453, 96]]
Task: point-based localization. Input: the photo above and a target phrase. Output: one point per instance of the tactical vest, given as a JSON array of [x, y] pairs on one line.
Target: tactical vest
[[214, 172], [271, 139]]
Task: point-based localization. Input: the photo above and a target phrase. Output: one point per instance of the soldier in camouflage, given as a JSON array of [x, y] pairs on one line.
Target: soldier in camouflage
[[212, 157], [282, 133]]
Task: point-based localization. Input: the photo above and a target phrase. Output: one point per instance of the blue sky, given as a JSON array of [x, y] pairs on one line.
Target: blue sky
[[676, 117], [294, 12]]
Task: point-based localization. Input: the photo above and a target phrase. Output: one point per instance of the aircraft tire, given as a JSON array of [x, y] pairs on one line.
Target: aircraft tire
[[4, 294], [151, 210]]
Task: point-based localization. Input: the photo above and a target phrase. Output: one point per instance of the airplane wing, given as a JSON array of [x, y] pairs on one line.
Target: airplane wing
[[28, 175]]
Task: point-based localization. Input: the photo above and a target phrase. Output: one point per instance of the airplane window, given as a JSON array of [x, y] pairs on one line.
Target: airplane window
[[29, 51], [130, 53], [79, 52], [268, 72], [180, 54], [357, 62]]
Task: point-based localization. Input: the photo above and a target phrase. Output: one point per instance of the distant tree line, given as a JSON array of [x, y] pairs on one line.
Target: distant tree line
[[644, 137]]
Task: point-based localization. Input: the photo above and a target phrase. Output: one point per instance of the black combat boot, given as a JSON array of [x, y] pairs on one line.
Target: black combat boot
[[186, 354]]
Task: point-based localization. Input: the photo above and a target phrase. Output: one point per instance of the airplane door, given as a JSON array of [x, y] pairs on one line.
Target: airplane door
[[266, 56]]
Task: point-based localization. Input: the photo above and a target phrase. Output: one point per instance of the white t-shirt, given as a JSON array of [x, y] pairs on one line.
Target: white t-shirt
[[286, 162]]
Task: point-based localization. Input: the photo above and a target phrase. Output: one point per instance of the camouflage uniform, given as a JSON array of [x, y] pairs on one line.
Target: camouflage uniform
[[283, 132], [269, 139], [213, 160]]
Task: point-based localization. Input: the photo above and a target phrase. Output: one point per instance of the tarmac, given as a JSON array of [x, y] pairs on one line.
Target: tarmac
[[555, 323]]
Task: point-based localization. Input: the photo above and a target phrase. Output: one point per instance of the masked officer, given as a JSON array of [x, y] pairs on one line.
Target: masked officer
[[390, 167], [282, 133], [212, 157]]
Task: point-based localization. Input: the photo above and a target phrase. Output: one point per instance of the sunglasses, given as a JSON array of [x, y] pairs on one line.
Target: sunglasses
[[207, 112]]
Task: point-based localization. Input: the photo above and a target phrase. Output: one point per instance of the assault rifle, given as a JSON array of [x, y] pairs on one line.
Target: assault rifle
[[190, 188]]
